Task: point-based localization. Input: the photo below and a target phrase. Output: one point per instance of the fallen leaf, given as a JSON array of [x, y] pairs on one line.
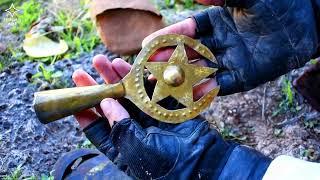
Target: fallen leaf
[[38, 46]]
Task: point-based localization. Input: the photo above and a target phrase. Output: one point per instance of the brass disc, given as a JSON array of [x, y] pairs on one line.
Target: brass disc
[[136, 92]]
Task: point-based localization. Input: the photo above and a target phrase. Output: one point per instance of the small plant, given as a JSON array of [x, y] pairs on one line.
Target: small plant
[[314, 61], [30, 11], [229, 134], [1, 66], [49, 76], [85, 144], [187, 4], [46, 177], [312, 123], [15, 175], [288, 99], [79, 33], [310, 154], [43, 72], [277, 132]]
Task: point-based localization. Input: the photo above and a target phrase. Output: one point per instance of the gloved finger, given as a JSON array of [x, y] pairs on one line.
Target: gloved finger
[[186, 27], [86, 117], [98, 133], [121, 67], [102, 64], [146, 158], [229, 83], [213, 43], [113, 110]]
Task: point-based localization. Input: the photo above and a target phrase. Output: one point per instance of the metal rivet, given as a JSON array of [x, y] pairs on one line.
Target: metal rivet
[[136, 79], [195, 109], [137, 85], [164, 40], [184, 114]]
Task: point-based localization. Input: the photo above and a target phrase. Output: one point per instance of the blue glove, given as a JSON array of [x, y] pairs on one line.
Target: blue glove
[[256, 41]]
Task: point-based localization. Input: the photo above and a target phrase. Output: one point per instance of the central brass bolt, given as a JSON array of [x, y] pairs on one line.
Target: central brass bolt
[[173, 75]]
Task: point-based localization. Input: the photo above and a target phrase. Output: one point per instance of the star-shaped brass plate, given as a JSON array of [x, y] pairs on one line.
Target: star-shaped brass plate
[[193, 74]]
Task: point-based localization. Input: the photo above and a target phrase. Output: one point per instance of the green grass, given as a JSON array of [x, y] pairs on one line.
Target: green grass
[[76, 29], [79, 33], [15, 175], [30, 11], [18, 175], [4, 4], [1, 66]]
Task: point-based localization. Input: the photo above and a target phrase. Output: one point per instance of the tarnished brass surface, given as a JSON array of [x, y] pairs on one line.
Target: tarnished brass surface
[[175, 78], [55, 104]]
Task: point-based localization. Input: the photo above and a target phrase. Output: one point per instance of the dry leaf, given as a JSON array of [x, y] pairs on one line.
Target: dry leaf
[[100, 6], [38, 46]]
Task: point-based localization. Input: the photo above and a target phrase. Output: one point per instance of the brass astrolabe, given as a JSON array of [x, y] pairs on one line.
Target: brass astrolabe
[[175, 78]]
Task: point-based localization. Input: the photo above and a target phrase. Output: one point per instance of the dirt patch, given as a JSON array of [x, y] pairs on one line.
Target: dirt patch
[[243, 116], [24, 140]]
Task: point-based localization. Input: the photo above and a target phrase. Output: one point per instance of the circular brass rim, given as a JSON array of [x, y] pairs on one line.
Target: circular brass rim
[[138, 95]]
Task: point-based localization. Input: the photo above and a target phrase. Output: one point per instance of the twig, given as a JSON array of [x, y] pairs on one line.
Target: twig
[[264, 103], [306, 116]]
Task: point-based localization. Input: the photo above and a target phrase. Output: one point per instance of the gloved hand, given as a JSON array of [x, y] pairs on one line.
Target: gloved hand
[[147, 149], [254, 41]]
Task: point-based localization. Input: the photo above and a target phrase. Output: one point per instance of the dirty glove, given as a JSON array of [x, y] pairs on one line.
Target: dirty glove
[[256, 41], [148, 149], [188, 150]]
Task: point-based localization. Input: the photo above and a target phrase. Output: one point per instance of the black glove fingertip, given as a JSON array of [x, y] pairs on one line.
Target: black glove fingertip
[[203, 24], [98, 133]]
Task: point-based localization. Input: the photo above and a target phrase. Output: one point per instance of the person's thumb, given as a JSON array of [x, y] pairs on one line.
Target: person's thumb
[[113, 110]]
